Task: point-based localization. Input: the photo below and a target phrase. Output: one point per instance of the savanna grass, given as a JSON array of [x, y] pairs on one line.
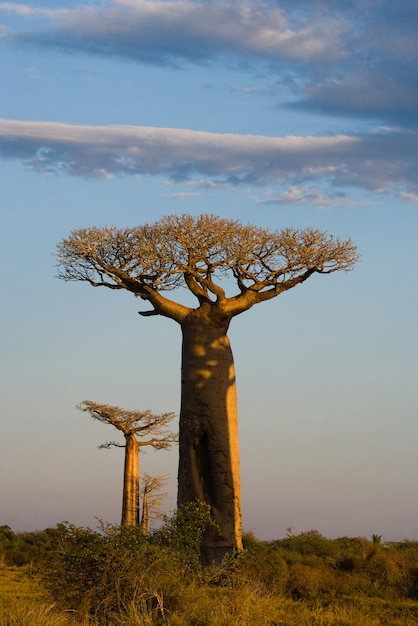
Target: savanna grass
[[203, 604], [117, 577]]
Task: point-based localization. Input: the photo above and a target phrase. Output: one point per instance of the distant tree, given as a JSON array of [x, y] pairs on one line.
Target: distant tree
[[140, 428], [197, 253], [151, 496], [7, 540]]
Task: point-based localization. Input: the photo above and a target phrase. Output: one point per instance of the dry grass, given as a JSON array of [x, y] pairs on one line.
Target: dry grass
[[24, 603], [15, 582]]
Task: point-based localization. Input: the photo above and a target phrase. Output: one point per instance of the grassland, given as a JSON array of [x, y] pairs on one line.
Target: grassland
[[23, 602], [116, 577]]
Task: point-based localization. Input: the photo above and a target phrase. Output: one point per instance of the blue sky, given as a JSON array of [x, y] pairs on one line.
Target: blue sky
[[289, 113]]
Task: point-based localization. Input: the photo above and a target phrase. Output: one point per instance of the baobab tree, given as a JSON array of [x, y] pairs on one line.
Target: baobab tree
[[228, 267], [140, 428], [151, 496]]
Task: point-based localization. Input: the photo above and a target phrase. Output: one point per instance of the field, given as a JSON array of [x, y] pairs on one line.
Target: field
[[116, 577], [23, 602]]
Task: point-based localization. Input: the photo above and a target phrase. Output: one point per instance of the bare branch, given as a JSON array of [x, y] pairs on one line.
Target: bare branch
[[139, 423], [196, 289], [197, 252], [152, 498]]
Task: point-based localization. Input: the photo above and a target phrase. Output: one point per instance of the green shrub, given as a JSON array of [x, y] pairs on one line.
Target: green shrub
[[262, 567], [99, 573], [184, 531], [308, 543], [23, 548]]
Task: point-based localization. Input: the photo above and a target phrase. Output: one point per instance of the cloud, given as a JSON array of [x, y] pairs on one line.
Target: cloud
[[383, 162], [295, 195], [184, 195], [179, 30], [408, 197], [352, 59]]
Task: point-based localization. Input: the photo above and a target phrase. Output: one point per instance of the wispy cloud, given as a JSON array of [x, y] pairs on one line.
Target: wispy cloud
[[378, 162], [408, 197], [184, 195], [27, 11], [353, 59], [299, 195]]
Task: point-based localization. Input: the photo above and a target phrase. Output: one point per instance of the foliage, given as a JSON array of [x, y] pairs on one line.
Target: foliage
[[116, 576], [184, 531], [95, 573], [23, 548]]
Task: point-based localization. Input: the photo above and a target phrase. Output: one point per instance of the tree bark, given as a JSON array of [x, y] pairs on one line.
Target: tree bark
[[130, 505], [145, 513], [209, 451]]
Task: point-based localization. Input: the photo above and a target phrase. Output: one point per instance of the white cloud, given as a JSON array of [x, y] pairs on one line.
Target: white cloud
[[308, 194], [377, 162], [408, 197], [84, 150], [183, 195], [292, 195]]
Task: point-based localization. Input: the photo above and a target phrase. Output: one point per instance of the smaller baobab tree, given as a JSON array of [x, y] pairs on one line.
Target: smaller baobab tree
[[140, 428], [151, 496]]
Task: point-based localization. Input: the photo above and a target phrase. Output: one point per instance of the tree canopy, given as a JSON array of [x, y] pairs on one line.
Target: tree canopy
[[139, 423], [197, 252]]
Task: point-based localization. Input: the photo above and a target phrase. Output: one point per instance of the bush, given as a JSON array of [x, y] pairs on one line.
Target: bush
[[260, 566], [116, 576], [98, 573], [183, 533], [24, 548]]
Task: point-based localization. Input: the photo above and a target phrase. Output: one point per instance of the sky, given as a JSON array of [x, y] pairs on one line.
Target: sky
[[294, 113]]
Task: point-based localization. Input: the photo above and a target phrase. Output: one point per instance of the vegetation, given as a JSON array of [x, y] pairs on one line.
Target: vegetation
[[24, 548], [207, 255], [115, 575]]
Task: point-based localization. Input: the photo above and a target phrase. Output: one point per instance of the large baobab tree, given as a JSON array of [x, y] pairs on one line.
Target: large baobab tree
[[140, 428], [228, 267]]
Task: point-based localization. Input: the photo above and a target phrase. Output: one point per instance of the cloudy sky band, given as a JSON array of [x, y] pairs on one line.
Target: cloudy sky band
[[322, 59], [103, 152], [345, 59]]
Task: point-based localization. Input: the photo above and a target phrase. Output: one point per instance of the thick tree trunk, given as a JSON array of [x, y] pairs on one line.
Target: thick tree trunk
[[209, 452], [130, 506]]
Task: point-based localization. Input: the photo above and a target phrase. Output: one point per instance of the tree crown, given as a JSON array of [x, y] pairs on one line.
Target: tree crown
[[139, 423], [196, 252]]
